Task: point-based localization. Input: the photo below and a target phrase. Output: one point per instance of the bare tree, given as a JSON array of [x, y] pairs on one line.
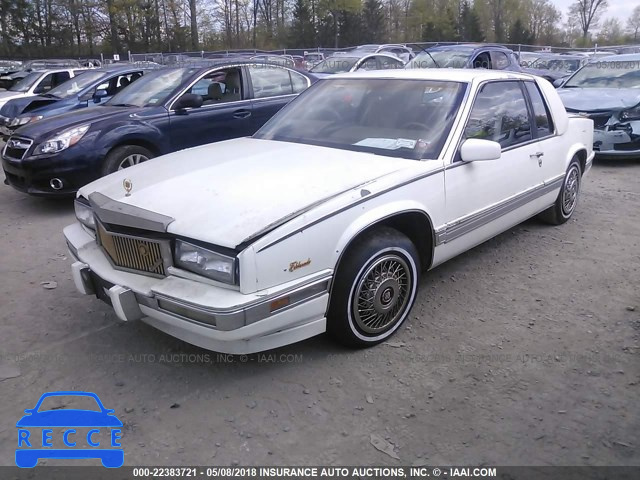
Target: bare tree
[[633, 23], [588, 13], [194, 25]]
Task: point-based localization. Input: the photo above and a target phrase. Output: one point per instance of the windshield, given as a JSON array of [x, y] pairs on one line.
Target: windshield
[[26, 83], [335, 65], [76, 84], [392, 117], [441, 59], [153, 88], [607, 74]]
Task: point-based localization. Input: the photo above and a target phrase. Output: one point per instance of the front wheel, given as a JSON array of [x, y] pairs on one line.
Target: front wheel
[[125, 156], [375, 288], [561, 211]]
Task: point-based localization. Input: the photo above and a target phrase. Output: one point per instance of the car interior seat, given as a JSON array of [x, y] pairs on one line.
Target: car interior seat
[[232, 90], [124, 81], [214, 93]]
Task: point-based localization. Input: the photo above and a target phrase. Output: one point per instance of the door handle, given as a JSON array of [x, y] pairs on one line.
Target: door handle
[[539, 156], [242, 114]]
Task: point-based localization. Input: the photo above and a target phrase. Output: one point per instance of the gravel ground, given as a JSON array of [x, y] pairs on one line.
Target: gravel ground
[[524, 350]]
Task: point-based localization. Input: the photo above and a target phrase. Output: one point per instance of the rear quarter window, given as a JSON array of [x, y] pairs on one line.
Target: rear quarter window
[[543, 122]]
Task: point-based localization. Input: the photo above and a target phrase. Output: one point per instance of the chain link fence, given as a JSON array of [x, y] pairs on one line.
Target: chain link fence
[[181, 58]]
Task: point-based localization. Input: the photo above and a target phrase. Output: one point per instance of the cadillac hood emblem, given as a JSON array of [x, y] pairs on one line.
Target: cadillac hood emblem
[[128, 186]]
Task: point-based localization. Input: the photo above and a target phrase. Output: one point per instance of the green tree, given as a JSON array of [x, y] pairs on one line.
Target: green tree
[[519, 34], [373, 22], [302, 33], [469, 26]]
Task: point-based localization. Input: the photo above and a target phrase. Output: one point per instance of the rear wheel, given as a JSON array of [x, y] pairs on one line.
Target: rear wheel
[[375, 288], [125, 156], [567, 200]]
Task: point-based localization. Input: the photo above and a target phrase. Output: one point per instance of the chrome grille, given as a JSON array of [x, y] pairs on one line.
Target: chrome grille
[[132, 253], [16, 148]]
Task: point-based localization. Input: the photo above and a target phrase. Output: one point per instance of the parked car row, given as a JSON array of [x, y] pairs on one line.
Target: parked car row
[[89, 89], [158, 111], [169, 109]]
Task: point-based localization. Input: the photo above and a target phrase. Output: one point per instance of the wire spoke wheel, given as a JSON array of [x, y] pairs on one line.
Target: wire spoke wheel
[[131, 160], [570, 191], [382, 294]]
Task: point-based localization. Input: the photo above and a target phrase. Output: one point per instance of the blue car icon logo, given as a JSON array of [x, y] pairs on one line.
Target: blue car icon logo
[[49, 430]]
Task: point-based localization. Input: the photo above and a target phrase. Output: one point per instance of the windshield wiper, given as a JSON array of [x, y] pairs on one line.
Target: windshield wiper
[[119, 105], [430, 56], [49, 95]]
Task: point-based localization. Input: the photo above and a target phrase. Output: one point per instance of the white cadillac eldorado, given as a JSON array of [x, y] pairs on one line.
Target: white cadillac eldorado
[[326, 217]]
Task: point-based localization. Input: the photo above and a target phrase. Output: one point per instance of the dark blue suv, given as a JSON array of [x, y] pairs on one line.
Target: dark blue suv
[[166, 110], [89, 89]]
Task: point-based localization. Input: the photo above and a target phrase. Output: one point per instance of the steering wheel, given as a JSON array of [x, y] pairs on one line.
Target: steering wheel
[[414, 126], [333, 114]]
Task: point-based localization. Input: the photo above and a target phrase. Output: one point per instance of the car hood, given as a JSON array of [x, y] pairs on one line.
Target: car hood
[[69, 418], [51, 125], [228, 192], [16, 106], [598, 99], [552, 74]]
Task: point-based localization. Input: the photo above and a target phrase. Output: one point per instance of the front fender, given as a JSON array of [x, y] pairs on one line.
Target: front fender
[[135, 133], [372, 217]]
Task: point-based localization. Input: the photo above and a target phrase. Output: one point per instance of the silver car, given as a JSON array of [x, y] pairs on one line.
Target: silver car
[[607, 90]]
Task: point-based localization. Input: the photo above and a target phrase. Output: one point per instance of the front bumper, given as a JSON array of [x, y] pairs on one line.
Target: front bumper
[[33, 174], [212, 317], [618, 141]]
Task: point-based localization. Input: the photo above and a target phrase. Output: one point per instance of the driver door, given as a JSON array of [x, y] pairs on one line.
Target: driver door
[[225, 112], [484, 198]]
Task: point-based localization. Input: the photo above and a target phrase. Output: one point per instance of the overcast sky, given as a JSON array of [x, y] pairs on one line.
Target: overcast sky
[[617, 8]]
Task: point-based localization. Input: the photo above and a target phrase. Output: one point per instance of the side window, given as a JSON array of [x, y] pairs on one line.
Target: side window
[[500, 114], [369, 64], [219, 86], [482, 61], [299, 82], [45, 84], [543, 123], [500, 60], [387, 63], [59, 78], [105, 86], [270, 81]]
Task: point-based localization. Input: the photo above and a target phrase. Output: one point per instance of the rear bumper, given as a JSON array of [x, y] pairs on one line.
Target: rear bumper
[[215, 318]]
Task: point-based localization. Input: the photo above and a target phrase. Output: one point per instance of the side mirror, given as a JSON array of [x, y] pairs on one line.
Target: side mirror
[[559, 82], [188, 100], [99, 95], [476, 150]]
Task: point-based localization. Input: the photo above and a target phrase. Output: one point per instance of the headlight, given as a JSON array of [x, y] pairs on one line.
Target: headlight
[[62, 141], [631, 114], [205, 262], [84, 214], [18, 121]]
